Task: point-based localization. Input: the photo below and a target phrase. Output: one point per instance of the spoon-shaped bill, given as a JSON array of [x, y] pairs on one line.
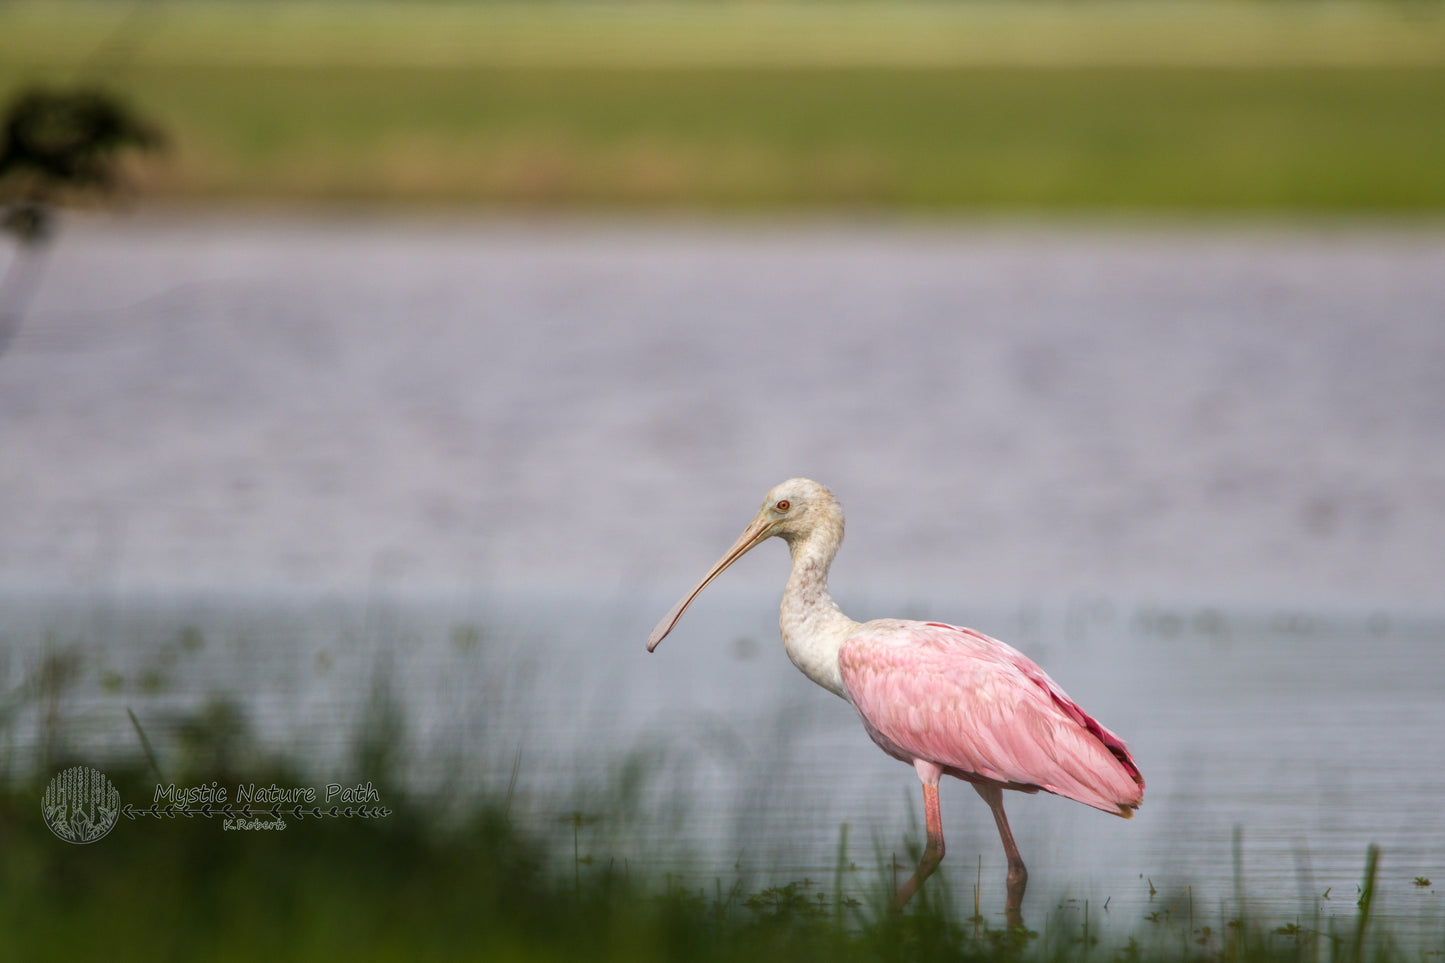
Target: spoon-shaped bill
[[757, 531]]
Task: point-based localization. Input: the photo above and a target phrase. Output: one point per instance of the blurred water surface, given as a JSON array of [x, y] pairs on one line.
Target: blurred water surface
[[1006, 412], [314, 469]]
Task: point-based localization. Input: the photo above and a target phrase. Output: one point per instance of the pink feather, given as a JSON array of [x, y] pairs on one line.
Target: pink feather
[[984, 712]]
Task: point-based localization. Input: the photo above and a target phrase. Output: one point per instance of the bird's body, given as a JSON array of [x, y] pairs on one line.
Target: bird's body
[[983, 712], [946, 700]]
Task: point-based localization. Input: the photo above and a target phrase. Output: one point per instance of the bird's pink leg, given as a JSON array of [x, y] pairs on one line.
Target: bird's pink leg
[[1018, 876], [928, 774]]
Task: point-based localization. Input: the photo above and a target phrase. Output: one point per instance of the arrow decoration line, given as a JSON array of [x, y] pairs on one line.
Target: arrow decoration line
[[172, 810]]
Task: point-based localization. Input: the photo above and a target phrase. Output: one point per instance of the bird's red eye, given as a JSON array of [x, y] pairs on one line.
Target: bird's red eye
[[783, 505]]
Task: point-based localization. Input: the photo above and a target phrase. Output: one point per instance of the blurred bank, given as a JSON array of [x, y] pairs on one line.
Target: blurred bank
[[1174, 106]]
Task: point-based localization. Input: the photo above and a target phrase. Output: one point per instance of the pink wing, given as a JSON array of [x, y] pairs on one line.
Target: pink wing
[[982, 709]]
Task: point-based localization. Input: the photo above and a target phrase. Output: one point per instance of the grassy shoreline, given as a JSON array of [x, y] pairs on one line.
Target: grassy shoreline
[[477, 865], [1187, 107], [416, 885], [1240, 140]]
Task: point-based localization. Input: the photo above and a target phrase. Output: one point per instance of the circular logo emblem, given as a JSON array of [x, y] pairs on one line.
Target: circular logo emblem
[[80, 804]]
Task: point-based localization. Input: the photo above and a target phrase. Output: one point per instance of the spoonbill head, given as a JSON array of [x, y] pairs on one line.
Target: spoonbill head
[[794, 510]]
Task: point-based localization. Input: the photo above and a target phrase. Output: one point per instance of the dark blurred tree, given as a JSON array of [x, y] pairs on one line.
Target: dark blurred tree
[[56, 145]]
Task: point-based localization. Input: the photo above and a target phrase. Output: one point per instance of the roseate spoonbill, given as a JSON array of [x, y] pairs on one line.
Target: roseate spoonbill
[[942, 698]]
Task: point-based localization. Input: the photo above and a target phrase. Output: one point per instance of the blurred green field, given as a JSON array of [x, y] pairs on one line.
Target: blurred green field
[[749, 33], [1190, 107]]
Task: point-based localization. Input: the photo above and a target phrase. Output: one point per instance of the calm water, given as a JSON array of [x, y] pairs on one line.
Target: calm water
[[1006, 413], [1198, 475]]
